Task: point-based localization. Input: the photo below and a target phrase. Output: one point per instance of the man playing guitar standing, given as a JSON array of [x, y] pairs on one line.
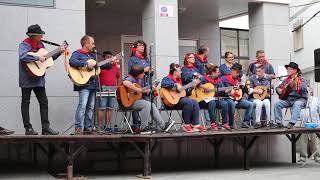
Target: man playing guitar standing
[[260, 79], [29, 83], [84, 112], [293, 93]]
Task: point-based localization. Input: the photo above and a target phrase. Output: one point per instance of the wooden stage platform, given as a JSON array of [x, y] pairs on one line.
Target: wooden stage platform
[[72, 145]]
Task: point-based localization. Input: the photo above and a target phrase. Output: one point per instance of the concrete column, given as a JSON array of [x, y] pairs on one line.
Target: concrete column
[[269, 30], [162, 32]]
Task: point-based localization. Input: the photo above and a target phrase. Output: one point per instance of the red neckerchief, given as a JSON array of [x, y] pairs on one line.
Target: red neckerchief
[[137, 80], [34, 45], [212, 81], [139, 56], [200, 58], [83, 51], [178, 80], [297, 83], [264, 62], [232, 81], [190, 66]]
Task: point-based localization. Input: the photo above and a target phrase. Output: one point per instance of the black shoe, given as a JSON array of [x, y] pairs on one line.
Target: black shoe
[[245, 125], [30, 131], [49, 131], [87, 131], [290, 126], [257, 126], [147, 130], [4, 131]]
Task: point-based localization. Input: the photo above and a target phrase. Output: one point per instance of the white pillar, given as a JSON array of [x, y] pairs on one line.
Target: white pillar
[[162, 32], [269, 31]]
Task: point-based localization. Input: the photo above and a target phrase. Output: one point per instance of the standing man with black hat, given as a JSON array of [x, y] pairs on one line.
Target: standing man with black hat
[[28, 83], [295, 86]]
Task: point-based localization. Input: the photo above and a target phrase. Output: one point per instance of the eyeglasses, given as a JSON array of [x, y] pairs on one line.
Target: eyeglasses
[[191, 57]]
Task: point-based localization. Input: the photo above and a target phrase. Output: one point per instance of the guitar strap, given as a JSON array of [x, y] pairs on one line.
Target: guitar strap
[[49, 42]]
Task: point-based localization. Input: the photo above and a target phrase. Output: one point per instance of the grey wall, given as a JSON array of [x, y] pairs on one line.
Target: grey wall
[[64, 22]]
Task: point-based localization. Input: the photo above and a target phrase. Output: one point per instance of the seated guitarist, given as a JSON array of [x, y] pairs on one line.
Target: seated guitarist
[[293, 91], [136, 75], [84, 112], [190, 108], [27, 83], [260, 79], [212, 76], [233, 80]]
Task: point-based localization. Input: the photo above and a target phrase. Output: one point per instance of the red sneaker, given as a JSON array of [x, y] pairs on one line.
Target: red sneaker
[[187, 128], [214, 126], [226, 126], [199, 128]]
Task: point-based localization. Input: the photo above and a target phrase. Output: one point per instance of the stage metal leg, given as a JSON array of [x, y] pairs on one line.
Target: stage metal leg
[[246, 145], [216, 143], [293, 139], [147, 160]]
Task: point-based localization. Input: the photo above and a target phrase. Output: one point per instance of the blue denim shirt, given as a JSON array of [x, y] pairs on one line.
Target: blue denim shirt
[[268, 69], [224, 70], [200, 65], [142, 62], [79, 59], [293, 95], [25, 79]]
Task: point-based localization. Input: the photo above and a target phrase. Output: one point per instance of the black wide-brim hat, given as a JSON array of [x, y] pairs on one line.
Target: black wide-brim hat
[[293, 65], [35, 30]]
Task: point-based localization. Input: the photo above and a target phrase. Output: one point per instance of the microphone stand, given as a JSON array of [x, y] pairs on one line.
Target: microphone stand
[[150, 84], [97, 80]]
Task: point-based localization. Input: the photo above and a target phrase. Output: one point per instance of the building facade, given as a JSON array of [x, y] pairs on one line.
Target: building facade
[[170, 27]]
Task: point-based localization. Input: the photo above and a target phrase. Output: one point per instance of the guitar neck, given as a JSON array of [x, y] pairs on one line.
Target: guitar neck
[[52, 53]]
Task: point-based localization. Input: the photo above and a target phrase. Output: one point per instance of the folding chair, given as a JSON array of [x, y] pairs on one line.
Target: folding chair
[[127, 114], [169, 111]]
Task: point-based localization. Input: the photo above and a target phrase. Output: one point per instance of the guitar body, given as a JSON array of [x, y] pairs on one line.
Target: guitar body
[[37, 68], [263, 95], [239, 93], [285, 93], [198, 93], [171, 97], [81, 75], [127, 97]]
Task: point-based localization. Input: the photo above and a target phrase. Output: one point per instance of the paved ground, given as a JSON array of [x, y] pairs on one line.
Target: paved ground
[[278, 171]]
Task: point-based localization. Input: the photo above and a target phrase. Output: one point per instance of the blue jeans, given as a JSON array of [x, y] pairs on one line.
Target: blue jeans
[[242, 104], [85, 109], [210, 114], [296, 105], [190, 110]]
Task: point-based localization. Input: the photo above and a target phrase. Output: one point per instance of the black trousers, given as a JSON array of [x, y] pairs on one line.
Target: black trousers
[[41, 95]]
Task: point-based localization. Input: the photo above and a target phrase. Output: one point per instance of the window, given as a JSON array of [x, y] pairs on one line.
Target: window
[[237, 41], [298, 36], [38, 3]]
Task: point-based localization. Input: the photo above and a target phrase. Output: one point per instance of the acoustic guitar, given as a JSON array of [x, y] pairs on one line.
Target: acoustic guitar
[[199, 94], [262, 96], [286, 89], [38, 68], [81, 75], [171, 97], [126, 97]]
